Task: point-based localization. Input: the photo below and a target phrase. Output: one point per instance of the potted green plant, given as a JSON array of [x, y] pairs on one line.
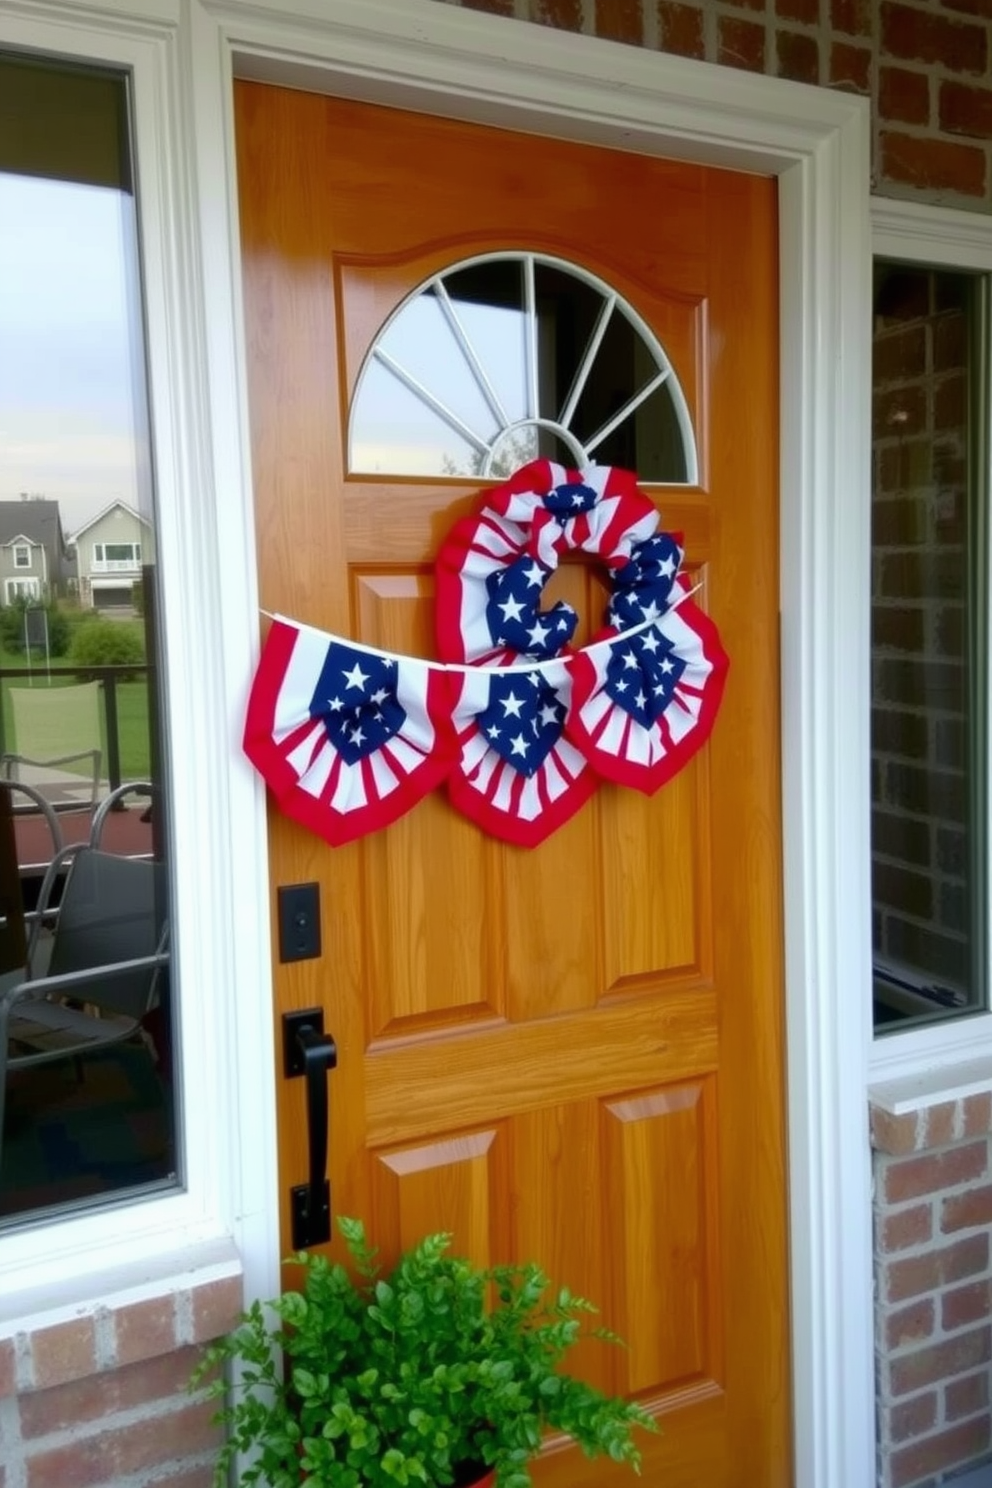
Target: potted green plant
[[440, 1373]]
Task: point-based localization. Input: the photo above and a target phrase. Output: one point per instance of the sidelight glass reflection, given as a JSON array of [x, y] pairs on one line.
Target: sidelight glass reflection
[[929, 652], [86, 1082]]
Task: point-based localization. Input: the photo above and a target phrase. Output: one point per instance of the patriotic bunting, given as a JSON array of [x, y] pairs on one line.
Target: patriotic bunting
[[521, 727], [348, 739], [517, 775], [642, 707]]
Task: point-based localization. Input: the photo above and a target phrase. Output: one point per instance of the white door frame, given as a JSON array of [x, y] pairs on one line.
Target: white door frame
[[432, 56]]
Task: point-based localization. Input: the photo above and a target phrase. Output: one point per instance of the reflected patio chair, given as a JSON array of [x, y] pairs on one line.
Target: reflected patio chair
[[100, 977], [126, 826], [56, 745]]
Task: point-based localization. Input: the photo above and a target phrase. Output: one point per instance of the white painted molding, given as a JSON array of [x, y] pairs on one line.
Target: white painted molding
[[920, 233]]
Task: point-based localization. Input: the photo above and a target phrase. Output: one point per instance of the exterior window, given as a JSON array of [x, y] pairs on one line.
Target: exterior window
[[929, 661], [117, 555], [87, 1109], [15, 589]]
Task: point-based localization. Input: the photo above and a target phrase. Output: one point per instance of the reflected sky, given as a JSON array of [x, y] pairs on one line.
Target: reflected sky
[[66, 421]]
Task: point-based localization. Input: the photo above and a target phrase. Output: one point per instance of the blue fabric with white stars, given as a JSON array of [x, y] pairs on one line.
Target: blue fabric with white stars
[[642, 674], [512, 613], [355, 696], [570, 498], [524, 720], [642, 586]]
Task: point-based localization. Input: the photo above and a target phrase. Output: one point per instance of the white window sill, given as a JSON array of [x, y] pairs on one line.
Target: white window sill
[[57, 1300], [932, 1087]]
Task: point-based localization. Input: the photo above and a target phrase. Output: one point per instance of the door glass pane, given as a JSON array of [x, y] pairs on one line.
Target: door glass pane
[[489, 301], [518, 354], [929, 607], [399, 434], [85, 1063]]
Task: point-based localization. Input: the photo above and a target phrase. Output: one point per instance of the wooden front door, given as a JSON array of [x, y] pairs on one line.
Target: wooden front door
[[573, 1053]]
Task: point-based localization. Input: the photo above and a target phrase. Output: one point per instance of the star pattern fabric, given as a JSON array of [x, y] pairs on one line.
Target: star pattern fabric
[[517, 775], [513, 616], [516, 538], [347, 739], [642, 707], [520, 727], [642, 586]]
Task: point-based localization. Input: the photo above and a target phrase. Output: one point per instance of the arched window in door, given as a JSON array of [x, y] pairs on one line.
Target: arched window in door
[[508, 357]]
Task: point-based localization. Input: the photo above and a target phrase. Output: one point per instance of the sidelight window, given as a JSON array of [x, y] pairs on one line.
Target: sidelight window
[[87, 1108], [929, 733]]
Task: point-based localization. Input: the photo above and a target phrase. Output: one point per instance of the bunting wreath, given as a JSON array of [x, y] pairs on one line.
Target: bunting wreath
[[521, 726]]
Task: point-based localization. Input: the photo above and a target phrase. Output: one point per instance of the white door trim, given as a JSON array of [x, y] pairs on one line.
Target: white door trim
[[433, 56]]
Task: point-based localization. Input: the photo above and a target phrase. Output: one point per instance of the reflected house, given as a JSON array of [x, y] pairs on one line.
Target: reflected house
[[109, 551], [34, 558]]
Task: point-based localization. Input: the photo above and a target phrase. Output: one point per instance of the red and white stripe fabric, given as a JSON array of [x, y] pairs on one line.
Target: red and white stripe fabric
[[312, 696], [521, 728], [519, 519], [510, 797], [629, 737]]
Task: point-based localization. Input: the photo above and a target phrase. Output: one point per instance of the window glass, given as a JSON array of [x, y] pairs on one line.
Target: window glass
[[929, 691], [503, 359], [86, 1047]]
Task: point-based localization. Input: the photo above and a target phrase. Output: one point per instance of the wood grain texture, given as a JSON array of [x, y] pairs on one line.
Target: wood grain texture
[[574, 1054]]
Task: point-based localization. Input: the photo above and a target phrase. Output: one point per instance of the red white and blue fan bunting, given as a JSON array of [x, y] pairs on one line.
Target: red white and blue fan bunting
[[521, 727], [517, 775], [643, 705], [348, 739], [493, 566]]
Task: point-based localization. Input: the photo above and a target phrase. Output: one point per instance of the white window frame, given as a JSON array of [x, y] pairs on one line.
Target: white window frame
[[438, 57], [22, 555], [955, 1054], [219, 903], [15, 589], [133, 560]]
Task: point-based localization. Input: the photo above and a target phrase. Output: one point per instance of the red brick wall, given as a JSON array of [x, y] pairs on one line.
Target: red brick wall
[[933, 1279], [926, 65], [100, 1400]]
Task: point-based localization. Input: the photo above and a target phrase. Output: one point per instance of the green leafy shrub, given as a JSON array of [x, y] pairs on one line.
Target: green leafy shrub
[[107, 643], [12, 629], [412, 1378]]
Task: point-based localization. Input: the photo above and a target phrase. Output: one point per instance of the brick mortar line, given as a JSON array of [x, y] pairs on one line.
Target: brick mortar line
[[150, 1476], [948, 1235], [900, 1351], [931, 133], [958, 1191], [935, 1430], [120, 1420], [10, 1439]]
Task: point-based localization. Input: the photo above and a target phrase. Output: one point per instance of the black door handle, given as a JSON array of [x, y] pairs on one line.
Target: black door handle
[[309, 1051]]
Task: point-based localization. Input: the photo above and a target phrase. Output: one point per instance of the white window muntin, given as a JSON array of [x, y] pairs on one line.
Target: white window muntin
[[22, 555]]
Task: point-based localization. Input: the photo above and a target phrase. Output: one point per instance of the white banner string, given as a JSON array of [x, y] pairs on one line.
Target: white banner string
[[554, 664]]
